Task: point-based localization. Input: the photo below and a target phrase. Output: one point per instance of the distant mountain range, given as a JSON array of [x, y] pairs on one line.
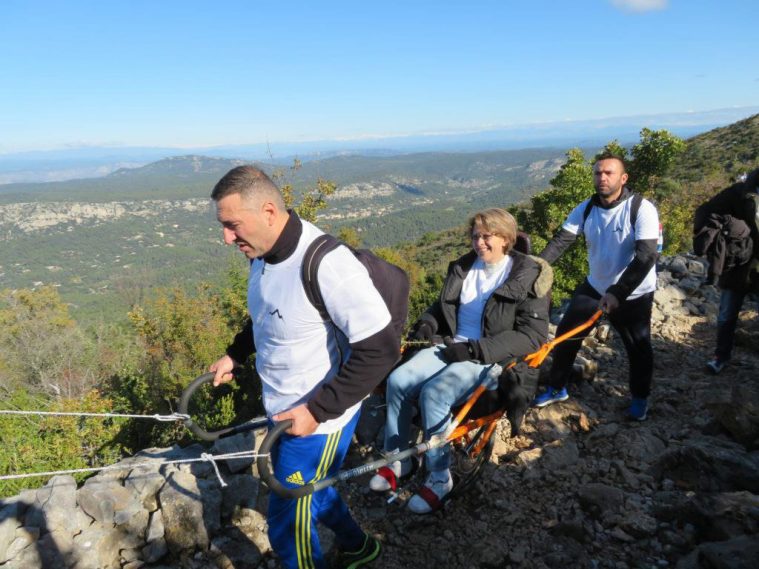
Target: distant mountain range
[[91, 162]]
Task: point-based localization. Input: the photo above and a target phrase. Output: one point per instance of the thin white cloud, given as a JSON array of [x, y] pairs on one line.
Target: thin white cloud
[[640, 5]]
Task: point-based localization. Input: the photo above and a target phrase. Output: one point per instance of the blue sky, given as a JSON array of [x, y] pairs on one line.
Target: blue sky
[[190, 73]]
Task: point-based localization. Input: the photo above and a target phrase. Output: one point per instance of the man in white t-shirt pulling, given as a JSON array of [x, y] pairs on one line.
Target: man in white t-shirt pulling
[[313, 371], [621, 281]]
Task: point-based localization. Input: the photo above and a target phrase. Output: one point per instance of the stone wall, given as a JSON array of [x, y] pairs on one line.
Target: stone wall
[[157, 514]]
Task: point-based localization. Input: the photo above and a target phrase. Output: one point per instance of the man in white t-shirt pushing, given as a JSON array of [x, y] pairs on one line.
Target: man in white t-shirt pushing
[[621, 234], [314, 371]]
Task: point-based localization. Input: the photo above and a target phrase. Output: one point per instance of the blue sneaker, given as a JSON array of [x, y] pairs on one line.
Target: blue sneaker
[[550, 395], [638, 409]]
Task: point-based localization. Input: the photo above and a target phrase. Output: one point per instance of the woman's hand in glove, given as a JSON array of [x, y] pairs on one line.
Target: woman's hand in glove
[[462, 352]]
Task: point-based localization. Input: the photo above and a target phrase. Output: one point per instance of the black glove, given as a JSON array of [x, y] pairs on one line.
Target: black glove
[[462, 352], [422, 332]]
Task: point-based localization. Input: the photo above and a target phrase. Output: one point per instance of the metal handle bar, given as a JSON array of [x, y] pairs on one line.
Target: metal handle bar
[[264, 465], [201, 433]]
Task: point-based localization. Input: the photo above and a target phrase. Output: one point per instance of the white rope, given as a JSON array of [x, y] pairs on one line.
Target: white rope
[[210, 458], [156, 417], [203, 458]]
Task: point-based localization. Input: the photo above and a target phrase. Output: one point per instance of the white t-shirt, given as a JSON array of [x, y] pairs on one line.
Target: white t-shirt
[[611, 241], [478, 285], [296, 351]]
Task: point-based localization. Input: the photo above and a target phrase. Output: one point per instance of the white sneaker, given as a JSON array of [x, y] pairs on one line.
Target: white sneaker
[[387, 477], [430, 497]]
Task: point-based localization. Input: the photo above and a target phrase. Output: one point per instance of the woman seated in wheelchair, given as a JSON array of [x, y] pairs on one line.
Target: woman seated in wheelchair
[[493, 307]]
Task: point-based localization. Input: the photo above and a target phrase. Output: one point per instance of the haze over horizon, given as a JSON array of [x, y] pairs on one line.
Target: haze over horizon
[[194, 75]]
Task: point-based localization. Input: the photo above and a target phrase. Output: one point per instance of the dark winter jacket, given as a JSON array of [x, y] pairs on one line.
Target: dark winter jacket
[[515, 317], [514, 324], [739, 201], [725, 242]]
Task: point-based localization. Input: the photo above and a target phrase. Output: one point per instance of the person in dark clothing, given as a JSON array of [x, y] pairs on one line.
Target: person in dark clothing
[[621, 281], [493, 307], [726, 243], [738, 201]]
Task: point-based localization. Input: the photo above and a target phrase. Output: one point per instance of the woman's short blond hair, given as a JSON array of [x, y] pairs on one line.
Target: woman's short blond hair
[[498, 222]]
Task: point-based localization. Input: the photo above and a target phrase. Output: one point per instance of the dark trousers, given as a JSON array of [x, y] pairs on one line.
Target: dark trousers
[[729, 308], [631, 320]]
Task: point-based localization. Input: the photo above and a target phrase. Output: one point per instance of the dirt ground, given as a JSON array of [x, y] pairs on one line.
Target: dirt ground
[[578, 487]]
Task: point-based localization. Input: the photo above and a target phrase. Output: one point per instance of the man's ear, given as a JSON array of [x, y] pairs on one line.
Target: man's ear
[[625, 177], [269, 211]]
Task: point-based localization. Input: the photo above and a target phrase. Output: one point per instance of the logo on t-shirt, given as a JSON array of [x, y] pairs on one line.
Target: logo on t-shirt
[[276, 313]]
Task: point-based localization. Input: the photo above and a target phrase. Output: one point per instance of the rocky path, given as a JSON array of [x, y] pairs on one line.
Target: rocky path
[[585, 487]]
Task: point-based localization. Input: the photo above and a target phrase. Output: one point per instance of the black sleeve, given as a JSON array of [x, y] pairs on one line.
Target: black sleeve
[[560, 242], [636, 271], [243, 345], [370, 361], [433, 316]]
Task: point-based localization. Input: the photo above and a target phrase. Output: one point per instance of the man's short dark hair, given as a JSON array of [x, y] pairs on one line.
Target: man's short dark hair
[[248, 181], [606, 155]]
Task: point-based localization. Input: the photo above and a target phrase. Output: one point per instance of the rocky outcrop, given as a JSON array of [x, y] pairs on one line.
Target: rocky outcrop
[[155, 511], [580, 487], [31, 217]]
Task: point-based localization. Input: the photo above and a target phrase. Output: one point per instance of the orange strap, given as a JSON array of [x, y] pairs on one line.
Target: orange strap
[[533, 360], [536, 358]]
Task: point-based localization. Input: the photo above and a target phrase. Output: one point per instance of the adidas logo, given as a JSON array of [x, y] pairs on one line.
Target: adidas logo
[[296, 478]]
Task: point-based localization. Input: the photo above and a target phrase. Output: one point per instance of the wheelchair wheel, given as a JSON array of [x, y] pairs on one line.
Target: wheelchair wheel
[[468, 455]]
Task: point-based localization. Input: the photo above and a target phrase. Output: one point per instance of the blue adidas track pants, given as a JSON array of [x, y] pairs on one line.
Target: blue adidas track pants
[[292, 523]]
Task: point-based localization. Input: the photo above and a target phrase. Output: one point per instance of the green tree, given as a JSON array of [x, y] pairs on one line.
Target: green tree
[[349, 236], [312, 200], [548, 210], [423, 288], [181, 334], [39, 444], [652, 159], [43, 349], [613, 148]]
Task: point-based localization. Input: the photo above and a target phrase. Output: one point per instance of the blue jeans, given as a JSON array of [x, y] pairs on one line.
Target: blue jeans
[[437, 386], [730, 303]]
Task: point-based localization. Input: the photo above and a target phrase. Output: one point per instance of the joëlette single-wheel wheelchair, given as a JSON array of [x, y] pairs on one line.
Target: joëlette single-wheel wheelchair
[[470, 432]]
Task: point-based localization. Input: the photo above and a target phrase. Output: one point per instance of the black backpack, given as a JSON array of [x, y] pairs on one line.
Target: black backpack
[[390, 280]]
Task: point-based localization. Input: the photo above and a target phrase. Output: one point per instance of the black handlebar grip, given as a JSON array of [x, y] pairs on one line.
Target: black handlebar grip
[[264, 465], [184, 402]]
